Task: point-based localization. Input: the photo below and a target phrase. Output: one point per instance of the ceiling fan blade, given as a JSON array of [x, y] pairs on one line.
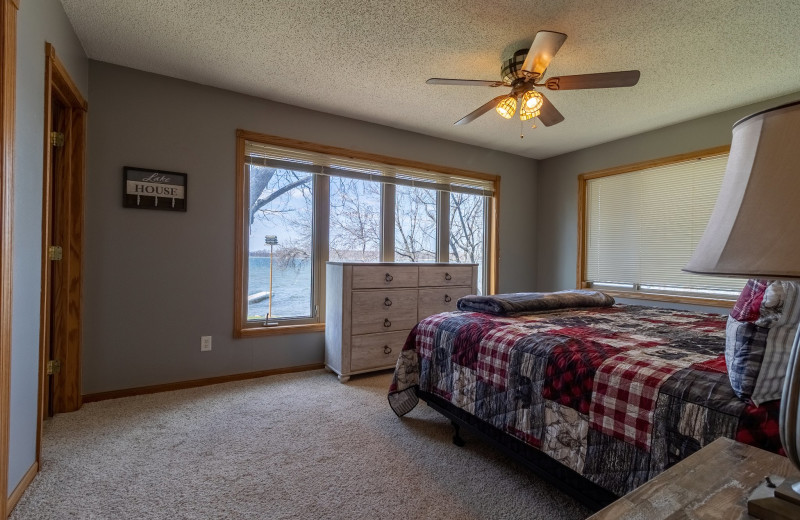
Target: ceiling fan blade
[[624, 78], [464, 82], [475, 114], [545, 45], [549, 115]]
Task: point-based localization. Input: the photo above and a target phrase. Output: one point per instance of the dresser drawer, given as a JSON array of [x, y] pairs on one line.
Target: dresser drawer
[[380, 277], [376, 350], [371, 308], [436, 276], [383, 311], [434, 301]]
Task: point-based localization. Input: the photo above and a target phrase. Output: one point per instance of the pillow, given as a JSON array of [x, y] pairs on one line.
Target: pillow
[[759, 336]]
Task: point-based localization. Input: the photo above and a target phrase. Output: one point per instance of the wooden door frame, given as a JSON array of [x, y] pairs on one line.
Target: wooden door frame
[[8, 73], [59, 86]]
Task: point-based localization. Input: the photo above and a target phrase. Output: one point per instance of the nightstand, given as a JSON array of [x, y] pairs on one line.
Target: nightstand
[[713, 483]]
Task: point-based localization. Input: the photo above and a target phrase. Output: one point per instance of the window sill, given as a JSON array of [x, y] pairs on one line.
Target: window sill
[[254, 332], [689, 300]]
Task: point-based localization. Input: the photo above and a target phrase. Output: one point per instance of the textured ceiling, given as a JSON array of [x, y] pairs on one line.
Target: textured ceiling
[[369, 59]]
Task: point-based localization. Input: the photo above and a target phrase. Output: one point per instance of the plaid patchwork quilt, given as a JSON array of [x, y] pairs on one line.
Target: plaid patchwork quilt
[[617, 394]]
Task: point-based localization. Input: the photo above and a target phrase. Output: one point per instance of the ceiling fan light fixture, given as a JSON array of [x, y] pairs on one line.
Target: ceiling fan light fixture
[[531, 105], [532, 100], [522, 71], [525, 115], [507, 107]]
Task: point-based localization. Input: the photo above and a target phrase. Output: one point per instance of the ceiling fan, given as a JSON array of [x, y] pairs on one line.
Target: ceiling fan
[[522, 71]]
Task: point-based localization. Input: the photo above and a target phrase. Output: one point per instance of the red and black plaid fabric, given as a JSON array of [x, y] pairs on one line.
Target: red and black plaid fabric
[[425, 334], [748, 306], [570, 372], [716, 364], [617, 394], [493, 355], [625, 393], [626, 388], [759, 426]]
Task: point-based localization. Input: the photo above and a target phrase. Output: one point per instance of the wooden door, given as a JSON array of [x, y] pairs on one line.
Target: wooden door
[[55, 347], [62, 242]]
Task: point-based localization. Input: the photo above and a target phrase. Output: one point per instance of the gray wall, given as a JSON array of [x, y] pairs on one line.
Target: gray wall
[[156, 281], [38, 21], [557, 205]]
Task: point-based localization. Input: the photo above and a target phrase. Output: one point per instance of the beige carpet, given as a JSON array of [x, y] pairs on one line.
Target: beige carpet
[[290, 446]]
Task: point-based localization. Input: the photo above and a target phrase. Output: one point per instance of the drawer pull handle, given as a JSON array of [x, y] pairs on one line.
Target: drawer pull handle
[[386, 322], [389, 277], [447, 276], [387, 302], [447, 298], [387, 349]]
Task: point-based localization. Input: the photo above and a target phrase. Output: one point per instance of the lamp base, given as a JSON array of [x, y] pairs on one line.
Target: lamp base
[[775, 500]]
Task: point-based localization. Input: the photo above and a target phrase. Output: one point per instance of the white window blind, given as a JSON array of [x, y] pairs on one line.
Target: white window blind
[[323, 164], [643, 226]]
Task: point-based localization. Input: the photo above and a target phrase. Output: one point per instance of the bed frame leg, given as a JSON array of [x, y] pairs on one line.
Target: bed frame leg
[[457, 440]]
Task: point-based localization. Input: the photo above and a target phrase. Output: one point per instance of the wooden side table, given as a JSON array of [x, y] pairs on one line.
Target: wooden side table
[[713, 484]]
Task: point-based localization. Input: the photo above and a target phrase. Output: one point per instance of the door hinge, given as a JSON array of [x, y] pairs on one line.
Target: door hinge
[[54, 253], [57, 139], [53, 367]]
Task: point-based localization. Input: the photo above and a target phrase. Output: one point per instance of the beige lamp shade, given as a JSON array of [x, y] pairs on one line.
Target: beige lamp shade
[[754, 230]]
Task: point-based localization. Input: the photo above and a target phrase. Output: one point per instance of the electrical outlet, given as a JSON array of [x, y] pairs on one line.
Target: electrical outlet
[[205, 343]]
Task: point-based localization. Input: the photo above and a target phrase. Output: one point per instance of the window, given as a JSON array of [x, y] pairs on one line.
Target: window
[[641, 224], [415, 225], [355, 220], [468, 231], [279, 280], [300, 205]]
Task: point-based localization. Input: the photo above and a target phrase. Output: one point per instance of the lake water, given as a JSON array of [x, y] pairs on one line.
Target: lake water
[[291, 286]]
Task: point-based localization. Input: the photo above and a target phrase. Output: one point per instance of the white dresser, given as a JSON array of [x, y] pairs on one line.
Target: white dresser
[[371, 308]]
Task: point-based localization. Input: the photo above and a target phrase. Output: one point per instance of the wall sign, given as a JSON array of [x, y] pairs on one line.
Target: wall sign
[[153, 189]]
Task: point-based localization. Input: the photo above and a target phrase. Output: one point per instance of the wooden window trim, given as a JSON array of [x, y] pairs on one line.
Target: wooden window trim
[[581, 282], [254, 332], [641, 295], [244, 329]]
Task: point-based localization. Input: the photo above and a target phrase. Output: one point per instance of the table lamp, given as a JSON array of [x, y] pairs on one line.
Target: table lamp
[[752, 233]]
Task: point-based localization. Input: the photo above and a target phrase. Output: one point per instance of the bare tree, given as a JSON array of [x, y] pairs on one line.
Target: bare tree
[[262, 194], [355, 225], [415, 224], [466, 228], [291, 254], [355, 218]]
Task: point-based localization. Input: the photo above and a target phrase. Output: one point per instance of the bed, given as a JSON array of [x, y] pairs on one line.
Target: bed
[[598, 400]]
